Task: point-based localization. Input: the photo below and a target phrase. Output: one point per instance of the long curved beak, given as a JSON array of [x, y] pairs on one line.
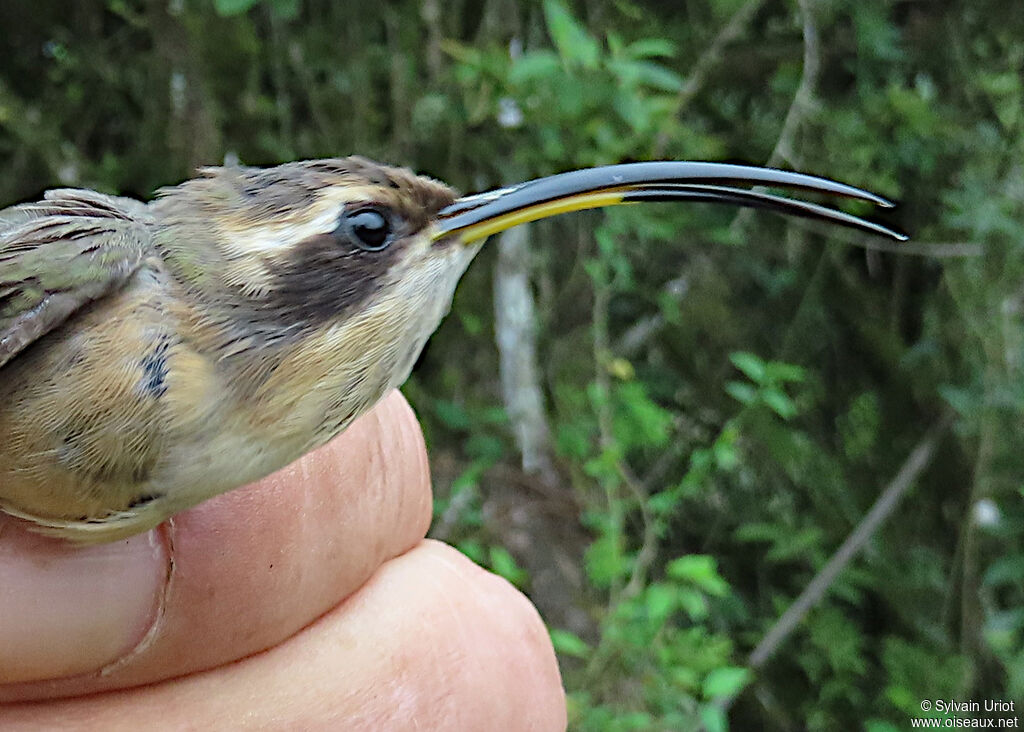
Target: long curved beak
[[476, 217]]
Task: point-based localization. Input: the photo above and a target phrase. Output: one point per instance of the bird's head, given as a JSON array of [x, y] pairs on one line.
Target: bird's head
[[307, 243], [363, 258]]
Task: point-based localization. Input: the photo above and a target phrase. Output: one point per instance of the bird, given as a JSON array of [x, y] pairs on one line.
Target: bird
[[154, 355]]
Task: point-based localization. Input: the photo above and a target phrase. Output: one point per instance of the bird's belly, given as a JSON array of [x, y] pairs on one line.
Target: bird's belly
[[114, 411]]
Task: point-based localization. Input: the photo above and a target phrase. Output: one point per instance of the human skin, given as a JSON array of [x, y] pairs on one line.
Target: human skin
[[309, 600]]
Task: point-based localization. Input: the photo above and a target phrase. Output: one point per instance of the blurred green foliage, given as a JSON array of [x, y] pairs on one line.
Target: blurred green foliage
[[727, 394]]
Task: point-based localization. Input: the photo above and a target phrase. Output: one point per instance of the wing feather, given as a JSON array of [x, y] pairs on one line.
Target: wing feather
[[61, 253]]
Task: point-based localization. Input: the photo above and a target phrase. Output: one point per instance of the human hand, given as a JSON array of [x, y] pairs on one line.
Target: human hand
[[309, 600]]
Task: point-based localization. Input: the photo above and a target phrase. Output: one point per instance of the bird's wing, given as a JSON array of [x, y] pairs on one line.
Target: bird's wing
[[61, 253]]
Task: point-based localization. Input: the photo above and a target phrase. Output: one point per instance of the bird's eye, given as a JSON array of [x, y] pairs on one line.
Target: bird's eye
[[369, 229]]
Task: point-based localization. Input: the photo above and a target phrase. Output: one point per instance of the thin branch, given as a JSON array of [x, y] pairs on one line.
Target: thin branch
[[799, 107], [430, 14], [637, 335], [606, 441], [712, 56], [603, 411], [936, 250], [444, 525], [971, 610], [803, 100], [649, 545], [648, 551], [640, 333], [515, 332], [919, 459]]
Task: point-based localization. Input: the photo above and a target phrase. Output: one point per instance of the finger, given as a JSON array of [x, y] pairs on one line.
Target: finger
[[431, 642], [232, 577]]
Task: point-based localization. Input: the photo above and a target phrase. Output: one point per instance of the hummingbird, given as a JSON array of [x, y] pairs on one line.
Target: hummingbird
[[154, 355]]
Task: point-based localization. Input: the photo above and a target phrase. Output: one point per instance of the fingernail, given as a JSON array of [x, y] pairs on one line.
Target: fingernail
[[67, 610]]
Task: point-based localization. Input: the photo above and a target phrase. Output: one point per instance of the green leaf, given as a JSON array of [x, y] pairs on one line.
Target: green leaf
[[962, 400], [472, 549], [604, 559], [758, 531], [879, 725], [575, 45], [534, 66], [783, 372], [713, 718], [778, 402], [700, 570], [1005, 620], [452, 415], [701, 461], [233, 7], [661, 600], [792, 544], [604, 467], [657, 76], [504, 564], [693, 603], [725, 454], [615, 43], [859, 427], [461, 52], [285, 9], [485, 447], [751, 365], [1006, 571], [651, 48], [631, 109], [742, 392], [568, 644], [472, 322], [642, 422], [469, 478], [725, 682]]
